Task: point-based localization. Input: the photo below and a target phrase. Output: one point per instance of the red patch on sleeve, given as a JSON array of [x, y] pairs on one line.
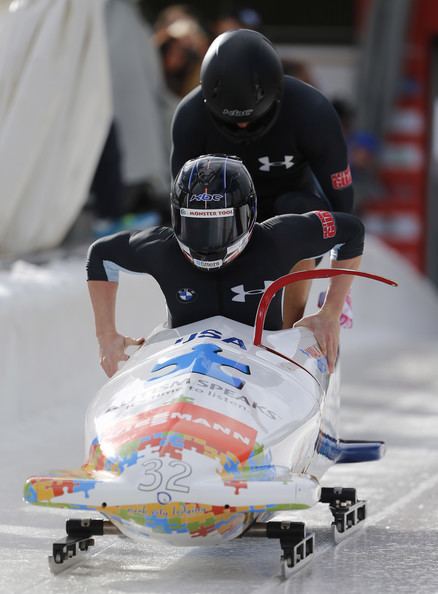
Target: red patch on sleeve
[[328, 223], [342, 179]]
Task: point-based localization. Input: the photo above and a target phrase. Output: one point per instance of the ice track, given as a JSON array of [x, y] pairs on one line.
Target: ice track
[[390, 391]]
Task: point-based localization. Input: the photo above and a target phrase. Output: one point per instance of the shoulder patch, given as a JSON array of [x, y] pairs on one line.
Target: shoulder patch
[[328, 223], [341, 179]]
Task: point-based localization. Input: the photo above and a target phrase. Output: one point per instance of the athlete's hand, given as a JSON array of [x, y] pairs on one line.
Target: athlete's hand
[[112, 350], [326, 328]]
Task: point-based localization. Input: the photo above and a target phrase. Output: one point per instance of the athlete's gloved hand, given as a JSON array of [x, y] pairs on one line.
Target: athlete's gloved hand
[[112, 350], [325, 327]]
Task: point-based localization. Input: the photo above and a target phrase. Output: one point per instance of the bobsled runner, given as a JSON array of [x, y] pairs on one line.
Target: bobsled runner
[[205, 434]]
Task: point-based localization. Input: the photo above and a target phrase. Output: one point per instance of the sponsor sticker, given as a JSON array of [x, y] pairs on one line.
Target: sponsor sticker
[[200, 213], [341, 179], [204, 197], [327, 222], [207, 265], [237, 112], [219, 431]]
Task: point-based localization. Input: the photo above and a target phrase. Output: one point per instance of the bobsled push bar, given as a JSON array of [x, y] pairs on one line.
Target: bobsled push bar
[[294, 277]]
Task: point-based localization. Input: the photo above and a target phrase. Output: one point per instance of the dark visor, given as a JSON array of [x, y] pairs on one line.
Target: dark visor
[[207, 235]]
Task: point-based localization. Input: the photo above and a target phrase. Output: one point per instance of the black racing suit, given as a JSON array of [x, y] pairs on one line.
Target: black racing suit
[[233, 291], [304, 144]]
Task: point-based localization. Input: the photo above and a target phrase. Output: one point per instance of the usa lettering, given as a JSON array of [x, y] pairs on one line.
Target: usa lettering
[[210, 333]]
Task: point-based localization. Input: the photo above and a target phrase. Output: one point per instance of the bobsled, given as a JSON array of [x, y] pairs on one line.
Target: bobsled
[[206, 434]]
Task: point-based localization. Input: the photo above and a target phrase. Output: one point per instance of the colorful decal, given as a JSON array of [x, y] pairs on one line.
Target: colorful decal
[[315, 353], [205, 360], [196, 519], [42, 489], [341, 179], [219, 431], [327, 222]]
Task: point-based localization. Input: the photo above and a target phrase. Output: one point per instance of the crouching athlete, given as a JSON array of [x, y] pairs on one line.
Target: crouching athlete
[[286, 132], [216, 252]]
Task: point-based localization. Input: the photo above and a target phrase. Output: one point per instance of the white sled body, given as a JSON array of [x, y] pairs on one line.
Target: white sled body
[[201, 432]]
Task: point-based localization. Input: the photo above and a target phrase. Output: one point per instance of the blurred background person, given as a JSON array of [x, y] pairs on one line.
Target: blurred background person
[[298, 69], [238, 18], [182, 45], [131, 183], [181, 42]]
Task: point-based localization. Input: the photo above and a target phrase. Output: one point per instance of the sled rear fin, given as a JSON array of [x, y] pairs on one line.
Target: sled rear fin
[[344, 451], [360, 451]]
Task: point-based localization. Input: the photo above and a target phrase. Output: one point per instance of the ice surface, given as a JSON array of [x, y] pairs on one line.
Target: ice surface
[[390, 391]]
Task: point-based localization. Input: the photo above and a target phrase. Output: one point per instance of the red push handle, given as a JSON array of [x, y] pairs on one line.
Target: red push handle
[[293, 277]]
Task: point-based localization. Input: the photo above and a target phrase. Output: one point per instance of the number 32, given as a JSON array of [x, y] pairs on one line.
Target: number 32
[[154, 476]]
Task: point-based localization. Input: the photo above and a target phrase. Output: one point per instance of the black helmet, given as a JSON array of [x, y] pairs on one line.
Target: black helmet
[[213, 205], [242, 81]]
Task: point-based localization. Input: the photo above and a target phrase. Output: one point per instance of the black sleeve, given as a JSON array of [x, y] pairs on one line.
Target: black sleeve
[[138, 251], [322, 142], [313, 234], [187, 133]]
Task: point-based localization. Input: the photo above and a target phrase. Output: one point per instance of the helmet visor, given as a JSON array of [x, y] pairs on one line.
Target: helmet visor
[[208, 231]]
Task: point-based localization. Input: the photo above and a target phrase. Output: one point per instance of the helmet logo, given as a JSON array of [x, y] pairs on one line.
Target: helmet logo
[[237, 112], [206, 197], [203, 213], [207, 264]]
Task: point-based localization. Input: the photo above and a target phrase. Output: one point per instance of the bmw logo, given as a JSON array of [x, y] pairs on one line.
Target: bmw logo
[[186, 295]]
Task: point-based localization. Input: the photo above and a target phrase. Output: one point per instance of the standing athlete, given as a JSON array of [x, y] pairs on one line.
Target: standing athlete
[[285, 131], [216, 260]]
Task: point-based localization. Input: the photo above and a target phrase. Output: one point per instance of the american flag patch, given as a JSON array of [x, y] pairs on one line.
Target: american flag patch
[[342, 179], [327, 222]]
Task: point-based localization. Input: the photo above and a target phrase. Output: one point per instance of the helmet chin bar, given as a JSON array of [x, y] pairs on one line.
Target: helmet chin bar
[[256, 128], [232, 252]]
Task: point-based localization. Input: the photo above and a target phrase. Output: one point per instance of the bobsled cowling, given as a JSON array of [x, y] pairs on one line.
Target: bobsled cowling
[[202, 431]]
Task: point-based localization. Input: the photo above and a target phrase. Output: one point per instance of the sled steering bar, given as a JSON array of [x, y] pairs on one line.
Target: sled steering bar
[[294, 277]]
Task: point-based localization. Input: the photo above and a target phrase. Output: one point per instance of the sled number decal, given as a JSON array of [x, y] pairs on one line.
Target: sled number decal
[[152, 473], [173, 483], [205, 360], [154, 476]]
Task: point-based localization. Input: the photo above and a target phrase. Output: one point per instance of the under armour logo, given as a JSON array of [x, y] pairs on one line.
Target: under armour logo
[[241, 293], [267, 164]]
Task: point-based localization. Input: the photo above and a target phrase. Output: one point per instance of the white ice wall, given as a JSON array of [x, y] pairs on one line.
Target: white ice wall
[[55, 110], [48, 351]]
